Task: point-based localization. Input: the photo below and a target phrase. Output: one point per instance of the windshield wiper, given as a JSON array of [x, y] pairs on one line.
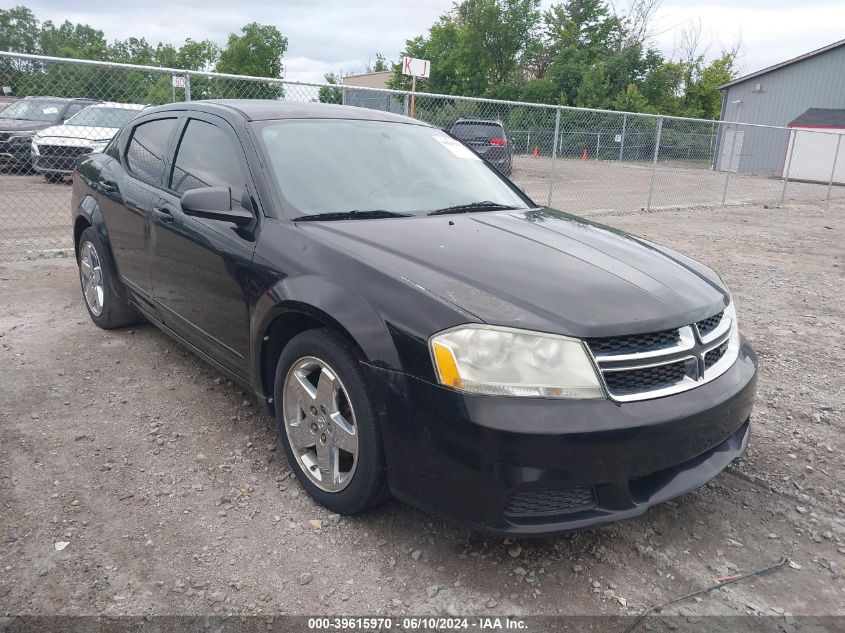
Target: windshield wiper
[[484, 205], [351, 215]]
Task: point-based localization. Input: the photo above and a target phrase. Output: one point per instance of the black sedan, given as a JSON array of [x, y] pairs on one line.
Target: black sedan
[[416, 325]]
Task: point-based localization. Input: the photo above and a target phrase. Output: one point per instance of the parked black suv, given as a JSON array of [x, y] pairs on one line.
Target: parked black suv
[[22, 119], [489, 140], [415, 324]]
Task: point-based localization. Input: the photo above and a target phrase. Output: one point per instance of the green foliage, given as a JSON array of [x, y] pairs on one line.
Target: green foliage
[[578, 52], [18, 30], [257, 51], [475, 48], [379, 65], [331, 95]]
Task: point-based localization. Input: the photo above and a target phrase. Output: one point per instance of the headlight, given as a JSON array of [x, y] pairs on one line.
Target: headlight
[[508, 362], [99, 146]]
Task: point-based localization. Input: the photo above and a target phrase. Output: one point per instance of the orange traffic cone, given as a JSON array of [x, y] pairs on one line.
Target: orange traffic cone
[[584, 155], [536, 152]]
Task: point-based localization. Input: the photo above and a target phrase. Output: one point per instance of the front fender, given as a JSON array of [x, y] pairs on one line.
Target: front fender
[[328, 302]]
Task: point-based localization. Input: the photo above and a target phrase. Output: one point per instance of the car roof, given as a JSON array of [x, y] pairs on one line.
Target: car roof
[[114, 104], [485, 121], [269, 109], [61, 99]]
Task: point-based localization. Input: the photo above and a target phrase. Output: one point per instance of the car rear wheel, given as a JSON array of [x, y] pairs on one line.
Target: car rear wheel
[[327, 421], [106, 307]]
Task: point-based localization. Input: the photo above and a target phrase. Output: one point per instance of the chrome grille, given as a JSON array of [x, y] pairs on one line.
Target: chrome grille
[[714, 355], [655, 364], [709, 324], [634, 343], [549, 501], [59, 157], [645, 379]]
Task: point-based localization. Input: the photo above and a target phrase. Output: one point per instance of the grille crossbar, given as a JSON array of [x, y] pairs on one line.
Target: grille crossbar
[[654, 364]]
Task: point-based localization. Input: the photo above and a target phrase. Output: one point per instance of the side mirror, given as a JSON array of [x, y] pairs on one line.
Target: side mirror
[[214, 203]]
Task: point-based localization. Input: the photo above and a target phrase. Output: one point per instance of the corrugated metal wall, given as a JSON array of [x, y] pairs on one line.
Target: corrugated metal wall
[[372, 100], [818, 82]]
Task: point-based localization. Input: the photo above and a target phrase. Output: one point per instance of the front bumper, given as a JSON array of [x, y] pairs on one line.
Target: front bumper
[[15, 151], [58, 162], [542, 466]]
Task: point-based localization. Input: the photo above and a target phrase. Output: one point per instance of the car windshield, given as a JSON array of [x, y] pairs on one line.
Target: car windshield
[[476, 131], [33, 110], [339, 165], [100, 116]]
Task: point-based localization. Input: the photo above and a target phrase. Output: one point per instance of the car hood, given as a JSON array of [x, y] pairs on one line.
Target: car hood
[[72, 134], [13, 125], [537, 269]]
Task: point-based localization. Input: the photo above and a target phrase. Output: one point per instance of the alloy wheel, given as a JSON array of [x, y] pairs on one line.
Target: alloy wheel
[[91, 273], [320, 424]]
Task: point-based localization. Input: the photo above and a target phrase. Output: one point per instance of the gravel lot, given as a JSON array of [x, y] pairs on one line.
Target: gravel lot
[[173, 496]]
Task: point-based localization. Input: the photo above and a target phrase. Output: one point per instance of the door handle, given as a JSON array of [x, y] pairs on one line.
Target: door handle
[[163, 214], [107, 187]]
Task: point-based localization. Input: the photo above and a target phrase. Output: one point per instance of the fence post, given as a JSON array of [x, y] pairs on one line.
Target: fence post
[[833, 167], [528, 144], [712, 140], [598, 145], [405, 105], [187, 86], [554, 155], [622, 145], [788, 166], [730, 168], [658, 133]]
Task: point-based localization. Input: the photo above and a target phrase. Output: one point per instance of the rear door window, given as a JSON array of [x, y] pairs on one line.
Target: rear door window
[[147, 148]]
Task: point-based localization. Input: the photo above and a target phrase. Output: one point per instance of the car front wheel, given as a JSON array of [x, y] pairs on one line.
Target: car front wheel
[[328, 423]]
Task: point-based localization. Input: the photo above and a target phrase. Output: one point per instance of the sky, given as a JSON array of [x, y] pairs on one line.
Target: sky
[[342, 35]]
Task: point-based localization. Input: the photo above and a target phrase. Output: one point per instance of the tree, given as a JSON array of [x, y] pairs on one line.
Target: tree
[[258, 52], [331, 95], [378, 66], [18, 33], [198, 55], [132, 51], [631, 100], [72, 40], [18, 30], [475, 48]]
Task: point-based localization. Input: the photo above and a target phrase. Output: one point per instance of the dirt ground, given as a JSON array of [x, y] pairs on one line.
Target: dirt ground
[[173, 497]]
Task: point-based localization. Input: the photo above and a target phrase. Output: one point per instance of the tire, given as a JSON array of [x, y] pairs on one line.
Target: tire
[[314, 355], [508, 169], [105, 305]]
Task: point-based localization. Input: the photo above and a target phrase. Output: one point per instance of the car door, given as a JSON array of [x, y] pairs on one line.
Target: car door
[[128, 186], [199, 266]]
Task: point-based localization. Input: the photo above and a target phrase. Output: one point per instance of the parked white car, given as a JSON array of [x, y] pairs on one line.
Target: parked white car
[[56, 149]]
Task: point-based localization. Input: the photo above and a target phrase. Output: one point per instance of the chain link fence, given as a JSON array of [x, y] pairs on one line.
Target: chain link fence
[[578, 160]]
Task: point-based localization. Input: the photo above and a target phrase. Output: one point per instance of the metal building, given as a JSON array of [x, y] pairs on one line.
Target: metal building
[[369, 99], [777, 96]]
